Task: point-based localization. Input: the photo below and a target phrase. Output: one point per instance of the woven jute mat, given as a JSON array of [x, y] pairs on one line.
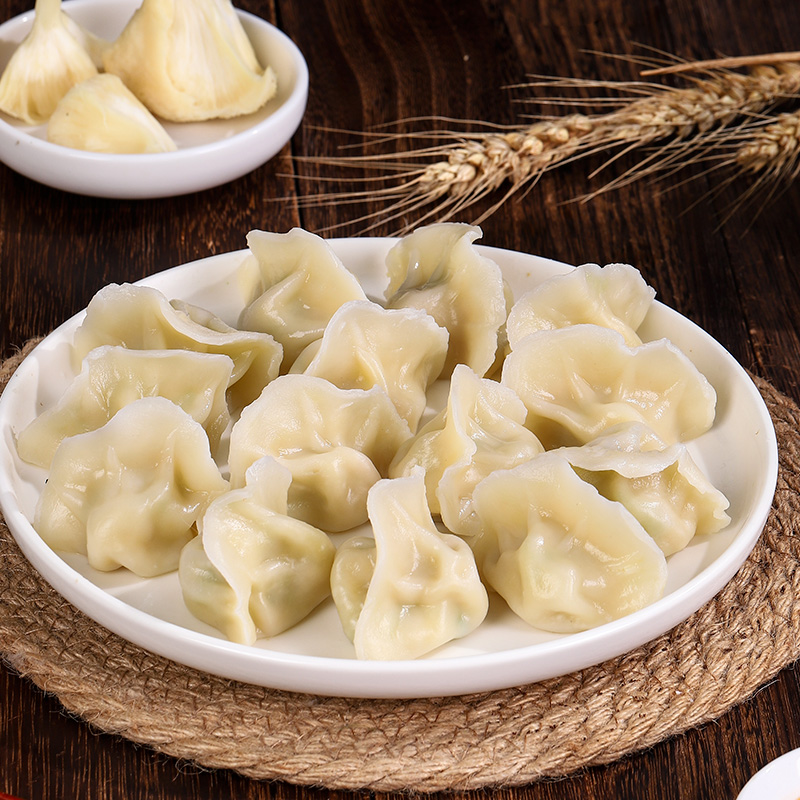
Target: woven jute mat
[[694, 673]]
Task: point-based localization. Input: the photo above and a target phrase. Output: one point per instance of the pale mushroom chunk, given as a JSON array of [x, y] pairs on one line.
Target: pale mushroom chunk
[[102, 115], [46, 65], [190, 60]]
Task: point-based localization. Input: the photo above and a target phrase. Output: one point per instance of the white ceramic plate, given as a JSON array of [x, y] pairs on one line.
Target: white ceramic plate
[[739, 454], [209, 153], [778, 780]]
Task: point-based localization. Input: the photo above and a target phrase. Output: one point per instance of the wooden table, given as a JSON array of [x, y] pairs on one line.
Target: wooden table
[[370, 63]]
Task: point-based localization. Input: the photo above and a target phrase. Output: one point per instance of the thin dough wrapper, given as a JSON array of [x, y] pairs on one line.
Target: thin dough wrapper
[[425, 589], [661, 486], [254, 570], [579, 381], [50, 60], [141, 318], [563, 557], [336, 442], [481, 429], [615, 296], [128, 494], [112, 377], [296, 283], [102, 115], [402, 351], [190, 60], [437, 268], [351, 573]]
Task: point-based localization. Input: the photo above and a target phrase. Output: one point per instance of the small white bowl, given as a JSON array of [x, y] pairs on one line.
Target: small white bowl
[[209, 153], [778, 780]]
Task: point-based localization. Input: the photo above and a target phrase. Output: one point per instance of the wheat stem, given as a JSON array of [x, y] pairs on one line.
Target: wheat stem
[[730, 62], [466, 167]]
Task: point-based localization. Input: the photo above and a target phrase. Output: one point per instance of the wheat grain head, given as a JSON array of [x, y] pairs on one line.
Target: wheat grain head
[[443, 180]]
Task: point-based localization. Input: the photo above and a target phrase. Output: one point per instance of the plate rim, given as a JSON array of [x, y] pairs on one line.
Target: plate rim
[[445, 676]]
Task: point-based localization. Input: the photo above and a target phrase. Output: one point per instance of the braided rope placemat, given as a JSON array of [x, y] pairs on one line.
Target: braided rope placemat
[[694, 673]]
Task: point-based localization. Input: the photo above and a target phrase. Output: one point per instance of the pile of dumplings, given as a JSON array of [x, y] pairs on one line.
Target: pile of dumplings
[[252, 459], [174, 61]]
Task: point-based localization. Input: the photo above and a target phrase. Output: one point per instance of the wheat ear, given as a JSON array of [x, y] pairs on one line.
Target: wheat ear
[[769, 153], [464, 167], [774, 149]]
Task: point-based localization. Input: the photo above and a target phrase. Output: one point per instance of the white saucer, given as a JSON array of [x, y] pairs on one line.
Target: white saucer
[[209, 153], [778, 780]]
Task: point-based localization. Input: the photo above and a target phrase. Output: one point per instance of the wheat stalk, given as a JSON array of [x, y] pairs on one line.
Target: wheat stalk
[[767, 150], [442, 180]]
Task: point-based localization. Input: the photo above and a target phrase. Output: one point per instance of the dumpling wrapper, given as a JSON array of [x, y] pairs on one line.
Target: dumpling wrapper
[[112, 377], [294, 283], [402, 351], [336, 443], [351, 573], [424, 590], [577, 382], [438, 268], [253, 570], [101, 115], [661, 486], [128, 494], [51, 59], [614, 296], [481, 429], [141, 318], [563, 557], [190, 60]]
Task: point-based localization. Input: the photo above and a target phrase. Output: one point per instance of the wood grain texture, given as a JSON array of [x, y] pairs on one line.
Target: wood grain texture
[[371, 63]]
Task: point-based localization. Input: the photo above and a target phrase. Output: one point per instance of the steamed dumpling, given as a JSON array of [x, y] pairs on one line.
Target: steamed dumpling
[[294, 283], [112, 377], [615, 296], [254, 571], [129, 494], [351, 573], [563, 557], [481, 429], [424, 590], [437, 268], [577, 382], [50, 60], [661, 486], [101, 115], [190, 60], [402, 351], [141, 318], [336, 443]]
